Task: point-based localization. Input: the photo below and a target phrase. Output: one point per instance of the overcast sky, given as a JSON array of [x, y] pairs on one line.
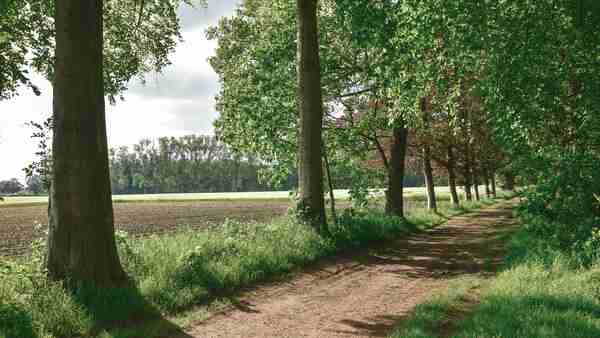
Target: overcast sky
[[178, 102]]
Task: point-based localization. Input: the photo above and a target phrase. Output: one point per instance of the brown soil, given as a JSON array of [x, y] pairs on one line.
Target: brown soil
[[17, 229], [367, 293]]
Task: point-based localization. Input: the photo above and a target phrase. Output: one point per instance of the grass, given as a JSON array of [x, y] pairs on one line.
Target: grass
[[546, 295], [174, 273], [435, 317]]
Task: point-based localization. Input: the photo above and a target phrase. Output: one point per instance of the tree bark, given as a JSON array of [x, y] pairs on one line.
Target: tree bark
[[429, 183], [395, 190], [81, 241], [493, 179], [476, 184], [509, 182], [311, 204], [486, 181], [468, 175], [330, 184], [452, 176], [427, 169]]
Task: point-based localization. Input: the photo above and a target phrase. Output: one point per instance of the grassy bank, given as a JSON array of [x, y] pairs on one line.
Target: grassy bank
[[541, 293], [174, 273]]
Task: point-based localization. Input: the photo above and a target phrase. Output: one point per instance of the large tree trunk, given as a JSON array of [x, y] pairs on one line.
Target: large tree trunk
[[311, 204], [395, 190], [429, 183], [452, 176], [81, 242]]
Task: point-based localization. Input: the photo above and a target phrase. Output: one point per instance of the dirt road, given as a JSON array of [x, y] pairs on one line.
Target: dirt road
[[366, 294]]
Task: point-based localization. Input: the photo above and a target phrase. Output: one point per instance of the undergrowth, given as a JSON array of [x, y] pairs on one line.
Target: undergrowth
[[173, 273]]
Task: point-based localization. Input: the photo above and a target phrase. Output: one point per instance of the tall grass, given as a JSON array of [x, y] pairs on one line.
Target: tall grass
[[172, 273]]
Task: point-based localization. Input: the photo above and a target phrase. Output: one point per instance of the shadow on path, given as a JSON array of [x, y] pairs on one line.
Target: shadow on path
[[366, 293]]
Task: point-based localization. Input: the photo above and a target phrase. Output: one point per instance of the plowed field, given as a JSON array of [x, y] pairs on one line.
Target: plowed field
[[18, 230]]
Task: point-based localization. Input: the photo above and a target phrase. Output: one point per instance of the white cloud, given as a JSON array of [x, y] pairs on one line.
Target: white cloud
[[178, 102]]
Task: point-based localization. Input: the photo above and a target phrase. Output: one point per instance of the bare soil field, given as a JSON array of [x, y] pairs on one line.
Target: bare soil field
[[18, 230], [21, 224]]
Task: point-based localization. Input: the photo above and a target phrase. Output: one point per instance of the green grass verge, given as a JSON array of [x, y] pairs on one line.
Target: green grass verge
[[436, 316], [174, 273], [535, 296]]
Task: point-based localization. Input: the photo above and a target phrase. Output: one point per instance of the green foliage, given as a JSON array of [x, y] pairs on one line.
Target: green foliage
[[186, 164], [561, 212], [138, 37], [11, 186]]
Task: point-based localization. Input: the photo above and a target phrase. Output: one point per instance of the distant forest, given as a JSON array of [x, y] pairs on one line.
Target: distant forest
[[197, 163], [184, 165]]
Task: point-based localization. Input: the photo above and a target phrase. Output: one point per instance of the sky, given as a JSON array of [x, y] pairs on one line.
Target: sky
[[178, 102]]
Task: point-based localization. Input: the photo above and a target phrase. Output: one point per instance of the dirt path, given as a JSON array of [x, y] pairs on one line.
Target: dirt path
[[365, 294]]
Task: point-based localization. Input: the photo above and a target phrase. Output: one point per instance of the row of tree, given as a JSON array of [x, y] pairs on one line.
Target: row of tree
[[183, 165], [196, 164], [469, 84], [389, 101]]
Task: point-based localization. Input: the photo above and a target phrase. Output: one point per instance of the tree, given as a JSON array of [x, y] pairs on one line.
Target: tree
[[138, 38], [81, 241], [311, 204], [35, 184], [395, 193], [188, 164], [11, 186]]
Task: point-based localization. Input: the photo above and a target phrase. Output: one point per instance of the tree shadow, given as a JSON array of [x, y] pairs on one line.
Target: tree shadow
[[536, 316], [124, 312], [15, 321], [442, 252], [377, 326]]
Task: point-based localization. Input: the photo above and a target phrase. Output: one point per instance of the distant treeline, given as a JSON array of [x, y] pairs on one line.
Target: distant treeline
[[194, 164], [183, 165]]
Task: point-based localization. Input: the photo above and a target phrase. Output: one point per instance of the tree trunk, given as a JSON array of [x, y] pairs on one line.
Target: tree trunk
[[476, 184], [429, 183], [509, 182], [468, 173], [330, 184], [493, 179], [486, 181], [311, 204], [468, 183], [394, 193], [81, 241], [452, 176]]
